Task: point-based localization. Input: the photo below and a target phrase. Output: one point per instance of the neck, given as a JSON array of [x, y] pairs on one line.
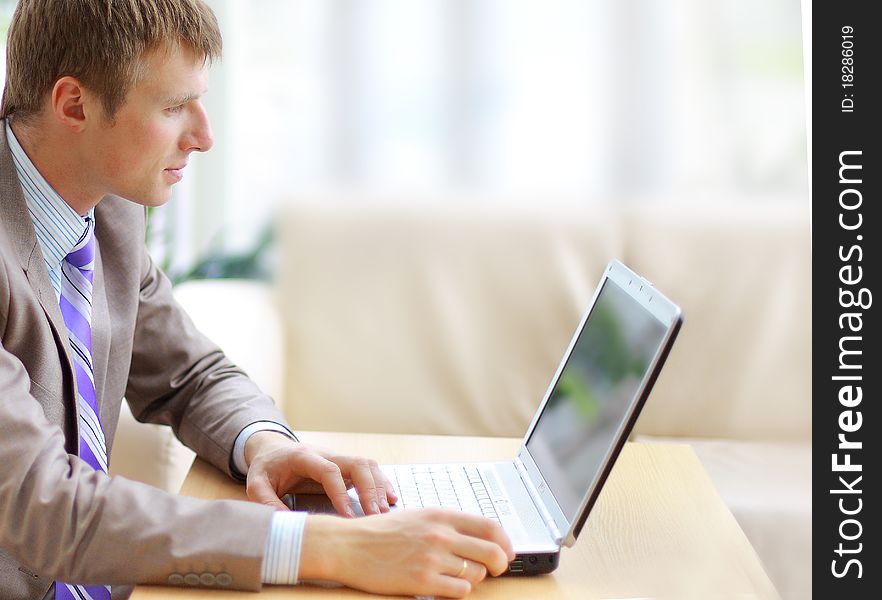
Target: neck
[[58, 163]]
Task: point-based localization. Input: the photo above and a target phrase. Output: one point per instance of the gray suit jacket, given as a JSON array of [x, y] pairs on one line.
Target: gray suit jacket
[[59, 519]]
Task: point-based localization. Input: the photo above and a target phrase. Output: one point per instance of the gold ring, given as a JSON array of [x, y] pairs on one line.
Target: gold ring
[[465, 565]]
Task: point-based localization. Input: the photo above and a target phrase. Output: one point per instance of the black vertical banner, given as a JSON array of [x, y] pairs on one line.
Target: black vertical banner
[[846, 227]]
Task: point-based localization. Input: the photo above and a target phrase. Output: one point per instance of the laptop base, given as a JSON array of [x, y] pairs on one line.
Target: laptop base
[[533, 564]]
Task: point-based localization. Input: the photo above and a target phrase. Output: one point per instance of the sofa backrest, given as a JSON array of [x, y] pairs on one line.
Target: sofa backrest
[[453, 321]]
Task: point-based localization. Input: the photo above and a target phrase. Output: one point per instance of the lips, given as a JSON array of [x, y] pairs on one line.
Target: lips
[[176, 173]]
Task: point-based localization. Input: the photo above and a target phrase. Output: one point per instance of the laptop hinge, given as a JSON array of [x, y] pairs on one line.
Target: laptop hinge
[[537, 500]]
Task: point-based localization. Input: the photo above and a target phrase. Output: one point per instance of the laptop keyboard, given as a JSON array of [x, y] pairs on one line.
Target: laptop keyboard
[[447, 486]]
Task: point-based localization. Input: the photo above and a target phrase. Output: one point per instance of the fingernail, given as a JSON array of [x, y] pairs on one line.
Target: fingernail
[[374, 508]]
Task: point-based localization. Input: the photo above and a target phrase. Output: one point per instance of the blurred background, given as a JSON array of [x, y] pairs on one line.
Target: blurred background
[[421, 195], [489, 102]]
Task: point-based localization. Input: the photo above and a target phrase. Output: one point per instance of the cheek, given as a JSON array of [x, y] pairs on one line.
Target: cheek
[[139, 149]]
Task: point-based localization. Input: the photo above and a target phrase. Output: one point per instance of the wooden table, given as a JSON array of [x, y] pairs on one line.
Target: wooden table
[[659, 528]]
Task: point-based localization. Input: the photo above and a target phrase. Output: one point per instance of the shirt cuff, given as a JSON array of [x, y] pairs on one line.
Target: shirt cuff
[[239, 466], [281, 554]]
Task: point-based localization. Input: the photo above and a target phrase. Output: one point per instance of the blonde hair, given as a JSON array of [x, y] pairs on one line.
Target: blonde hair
[[100, 43]]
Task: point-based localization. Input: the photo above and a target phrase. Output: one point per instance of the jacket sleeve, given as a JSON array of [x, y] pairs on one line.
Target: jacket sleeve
[[179, 378], [65, 521]]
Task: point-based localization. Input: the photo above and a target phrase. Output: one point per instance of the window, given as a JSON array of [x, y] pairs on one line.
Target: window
[[558, 102], [562, 101]]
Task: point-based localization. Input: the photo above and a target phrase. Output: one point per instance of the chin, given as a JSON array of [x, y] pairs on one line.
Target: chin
[[158, 198], [160, 202], [152, 203]]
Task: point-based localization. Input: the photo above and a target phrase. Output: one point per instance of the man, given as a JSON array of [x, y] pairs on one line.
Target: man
[[100, 112]]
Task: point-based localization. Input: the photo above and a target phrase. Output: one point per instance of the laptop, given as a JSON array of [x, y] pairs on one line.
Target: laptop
[[543, 496]]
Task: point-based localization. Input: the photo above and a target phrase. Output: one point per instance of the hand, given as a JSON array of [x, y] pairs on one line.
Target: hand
[[278, 465], [406, 552]]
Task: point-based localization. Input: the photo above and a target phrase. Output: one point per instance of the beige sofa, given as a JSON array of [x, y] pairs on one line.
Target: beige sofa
[[452, 321]]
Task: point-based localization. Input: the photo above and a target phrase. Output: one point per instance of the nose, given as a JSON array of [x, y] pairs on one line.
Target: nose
[[198, 137]]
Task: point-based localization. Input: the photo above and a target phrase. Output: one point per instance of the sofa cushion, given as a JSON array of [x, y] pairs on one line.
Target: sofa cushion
[[149, 453]]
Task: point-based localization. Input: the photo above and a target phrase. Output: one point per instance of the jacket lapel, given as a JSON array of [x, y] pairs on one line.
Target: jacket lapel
[[100, 337], [20, 229]]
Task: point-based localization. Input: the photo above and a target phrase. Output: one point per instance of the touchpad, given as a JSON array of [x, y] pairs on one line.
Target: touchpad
[[320, 503]]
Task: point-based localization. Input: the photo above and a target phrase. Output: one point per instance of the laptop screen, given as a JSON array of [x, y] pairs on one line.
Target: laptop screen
[[595, 390]]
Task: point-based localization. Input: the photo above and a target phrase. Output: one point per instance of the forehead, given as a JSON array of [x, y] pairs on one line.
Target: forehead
[[172, 73]]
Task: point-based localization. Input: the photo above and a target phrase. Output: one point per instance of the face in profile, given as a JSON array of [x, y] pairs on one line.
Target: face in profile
[[144, 149]]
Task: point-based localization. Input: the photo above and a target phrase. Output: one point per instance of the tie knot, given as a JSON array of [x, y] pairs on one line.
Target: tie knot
[[82, 256]]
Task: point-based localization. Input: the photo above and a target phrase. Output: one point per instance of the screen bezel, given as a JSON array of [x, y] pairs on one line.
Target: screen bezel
[[671, 317]]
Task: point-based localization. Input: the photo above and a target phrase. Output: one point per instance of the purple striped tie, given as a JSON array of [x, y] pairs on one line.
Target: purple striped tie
[[77, 271]]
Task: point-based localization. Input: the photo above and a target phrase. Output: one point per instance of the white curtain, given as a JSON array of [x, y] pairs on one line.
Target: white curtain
[[558, 102]]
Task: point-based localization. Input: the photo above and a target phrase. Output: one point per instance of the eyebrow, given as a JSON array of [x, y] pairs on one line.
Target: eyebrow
[[181, 99]]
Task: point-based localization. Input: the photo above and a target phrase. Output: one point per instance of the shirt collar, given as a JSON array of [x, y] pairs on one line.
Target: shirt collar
[[58, 226]]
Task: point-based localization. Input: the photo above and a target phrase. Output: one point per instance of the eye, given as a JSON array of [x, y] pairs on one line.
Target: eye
[[175, 109]]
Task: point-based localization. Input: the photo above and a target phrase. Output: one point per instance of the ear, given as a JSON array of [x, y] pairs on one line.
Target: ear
[[68, 103]]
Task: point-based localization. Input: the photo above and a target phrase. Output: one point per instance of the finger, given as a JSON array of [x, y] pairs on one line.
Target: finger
[[391, 495], [483, 552], [328, 474], [381, 491], [259, 488], [483, 528], [471, 571], [362, 477]]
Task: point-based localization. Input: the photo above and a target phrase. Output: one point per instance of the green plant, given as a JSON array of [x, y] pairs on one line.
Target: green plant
[[251, 264], [217, 263]]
